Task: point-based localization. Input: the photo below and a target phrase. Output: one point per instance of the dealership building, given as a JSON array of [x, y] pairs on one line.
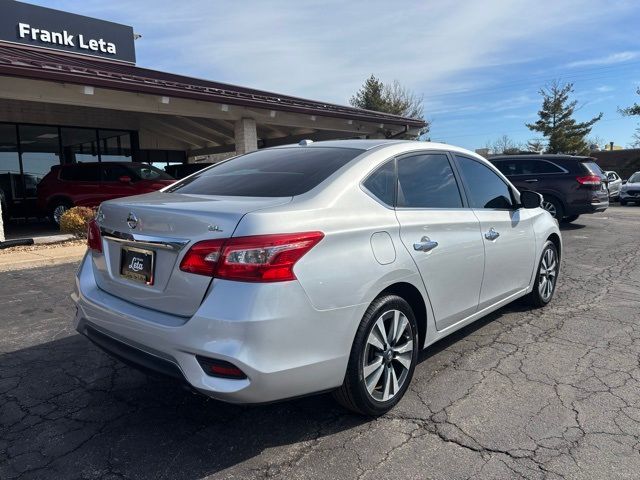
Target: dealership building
[[70, 91]]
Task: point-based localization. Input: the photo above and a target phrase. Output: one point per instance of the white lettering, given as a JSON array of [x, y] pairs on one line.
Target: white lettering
[[23, 28], [136, 264], [66, 39]]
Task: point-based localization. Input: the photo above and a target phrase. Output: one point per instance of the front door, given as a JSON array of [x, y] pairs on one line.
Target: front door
[[507, 232], [441, 234]]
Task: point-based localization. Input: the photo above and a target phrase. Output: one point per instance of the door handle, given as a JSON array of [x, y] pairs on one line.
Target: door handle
[[531, 180], [425, 245], [491, 234]]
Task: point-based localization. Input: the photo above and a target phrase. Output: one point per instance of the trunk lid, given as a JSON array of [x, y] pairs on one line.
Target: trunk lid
[[166, 224]]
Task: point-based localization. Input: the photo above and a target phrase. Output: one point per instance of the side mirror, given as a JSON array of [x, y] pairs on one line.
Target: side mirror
[[530, 199], [624, 182], [124, 179]]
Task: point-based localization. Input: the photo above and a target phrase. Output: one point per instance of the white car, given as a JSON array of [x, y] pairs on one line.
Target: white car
[[630, 190], [313, 267], [614, 184]]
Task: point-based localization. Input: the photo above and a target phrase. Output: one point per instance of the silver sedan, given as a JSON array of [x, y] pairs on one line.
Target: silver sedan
[[313, 267]]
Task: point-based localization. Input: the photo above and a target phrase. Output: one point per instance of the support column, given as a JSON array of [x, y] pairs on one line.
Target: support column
[[246, 136]]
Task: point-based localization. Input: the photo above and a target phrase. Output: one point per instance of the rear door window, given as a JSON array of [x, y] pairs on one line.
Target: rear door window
[[280, 172], [427, 181], [81, 173]]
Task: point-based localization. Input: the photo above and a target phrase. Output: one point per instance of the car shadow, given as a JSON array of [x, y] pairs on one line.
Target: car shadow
[[72, 411], [571, 226], [67, 410]]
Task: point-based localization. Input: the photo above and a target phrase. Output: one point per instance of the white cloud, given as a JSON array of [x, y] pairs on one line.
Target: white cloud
[[604, 88], [324, 49], [611, 59]]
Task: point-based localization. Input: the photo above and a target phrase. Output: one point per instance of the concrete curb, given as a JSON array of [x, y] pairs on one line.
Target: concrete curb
[[33, 259]]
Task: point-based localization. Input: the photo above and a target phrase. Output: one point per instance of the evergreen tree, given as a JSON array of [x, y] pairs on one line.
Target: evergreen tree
[[556, 123], [389, 98]]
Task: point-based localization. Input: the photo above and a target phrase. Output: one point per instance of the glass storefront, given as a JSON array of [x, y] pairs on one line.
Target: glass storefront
[[27, 153]]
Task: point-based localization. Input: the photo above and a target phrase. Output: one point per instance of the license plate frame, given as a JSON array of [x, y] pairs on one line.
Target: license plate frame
[[137, 264]]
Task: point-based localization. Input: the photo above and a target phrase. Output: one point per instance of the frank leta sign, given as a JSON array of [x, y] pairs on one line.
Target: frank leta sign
[[47, 28]]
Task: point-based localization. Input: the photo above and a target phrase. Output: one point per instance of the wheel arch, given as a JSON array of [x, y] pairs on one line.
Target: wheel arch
[[414, 298], [58, 199], [555, 238]]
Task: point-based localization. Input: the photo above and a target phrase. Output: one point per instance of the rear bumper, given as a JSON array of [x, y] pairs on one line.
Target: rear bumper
[[270, 331], [596, 205]]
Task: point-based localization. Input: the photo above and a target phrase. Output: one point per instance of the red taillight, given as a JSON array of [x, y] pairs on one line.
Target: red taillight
[[589, 180], [94, 239], [202, 258], [259, 258]]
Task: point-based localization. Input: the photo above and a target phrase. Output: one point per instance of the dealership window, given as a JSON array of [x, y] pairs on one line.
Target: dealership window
[[79, 145], [115, 146], [40, 150]]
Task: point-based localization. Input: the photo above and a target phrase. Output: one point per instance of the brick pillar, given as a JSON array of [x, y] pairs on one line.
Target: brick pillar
[[246, 136]]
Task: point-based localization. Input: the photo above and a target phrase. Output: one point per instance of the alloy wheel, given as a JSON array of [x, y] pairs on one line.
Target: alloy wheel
[[388, 355], [548, 274], [550, 207], [58, 212]]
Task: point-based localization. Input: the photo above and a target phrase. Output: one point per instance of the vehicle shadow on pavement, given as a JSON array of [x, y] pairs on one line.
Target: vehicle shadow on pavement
[[68, 410]]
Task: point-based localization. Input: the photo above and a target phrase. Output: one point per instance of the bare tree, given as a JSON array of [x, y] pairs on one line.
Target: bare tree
[[504, 145]]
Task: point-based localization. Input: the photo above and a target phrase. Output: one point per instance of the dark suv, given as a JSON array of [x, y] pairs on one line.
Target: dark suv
[[570, 185], [89, 184]]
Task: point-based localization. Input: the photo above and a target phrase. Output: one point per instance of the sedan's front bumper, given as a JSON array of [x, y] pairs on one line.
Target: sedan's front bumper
[[270, 331]]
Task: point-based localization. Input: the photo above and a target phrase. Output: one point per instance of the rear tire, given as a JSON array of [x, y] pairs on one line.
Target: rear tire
[[570, 218], [553, 206], [57, 209], [383, 358], [546, 276]]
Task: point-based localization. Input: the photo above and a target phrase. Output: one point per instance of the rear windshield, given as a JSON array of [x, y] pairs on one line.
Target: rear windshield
[[281, 172]]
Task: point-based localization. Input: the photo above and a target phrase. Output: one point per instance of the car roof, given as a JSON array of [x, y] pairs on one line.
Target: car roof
[[549, 156], [370, 144], [86, 164]]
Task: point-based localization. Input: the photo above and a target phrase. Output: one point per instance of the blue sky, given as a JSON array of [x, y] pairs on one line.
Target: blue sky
[[479, 64]]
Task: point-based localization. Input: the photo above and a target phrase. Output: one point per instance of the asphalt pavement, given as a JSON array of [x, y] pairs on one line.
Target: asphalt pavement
[[549, 393]]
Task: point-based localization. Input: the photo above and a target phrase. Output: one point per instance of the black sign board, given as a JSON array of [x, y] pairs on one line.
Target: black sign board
[[47, 28]]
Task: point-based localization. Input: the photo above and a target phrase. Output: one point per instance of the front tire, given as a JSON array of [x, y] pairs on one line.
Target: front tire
[[546, 276], [623, 202], [383, 358]]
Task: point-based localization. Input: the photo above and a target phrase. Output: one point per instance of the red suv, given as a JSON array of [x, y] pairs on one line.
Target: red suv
[[89, 184]]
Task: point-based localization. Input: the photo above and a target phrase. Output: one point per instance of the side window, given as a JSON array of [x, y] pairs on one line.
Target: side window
[[382, 183], [111, 173], [486, 189], [81, 173], [508, 168], [612, 176], [541, 166], [427, 181]]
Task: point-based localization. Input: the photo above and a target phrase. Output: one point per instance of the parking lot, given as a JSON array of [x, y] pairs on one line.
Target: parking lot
[[547, 393]]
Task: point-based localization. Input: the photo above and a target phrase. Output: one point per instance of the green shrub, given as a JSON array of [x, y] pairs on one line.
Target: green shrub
[[76, 220]]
